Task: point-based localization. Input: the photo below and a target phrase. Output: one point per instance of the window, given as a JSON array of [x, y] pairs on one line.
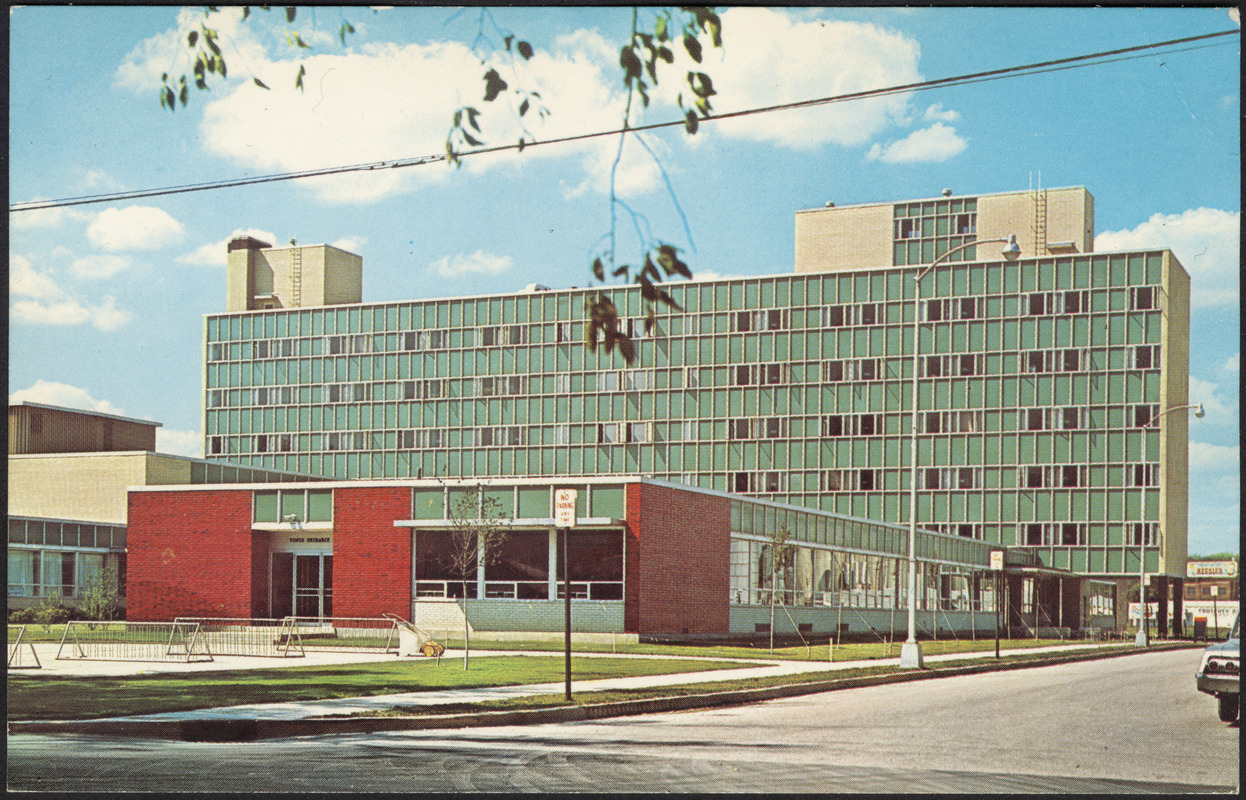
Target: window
[[639, 432], [562, 332], [1075, 302], [1071, 477], [833, 371], [639, 379], [562, 434], [738, 429], [1142, 298], [607, 381], [743, 321], [688, 430], [517, 334], [1037, 304], [1072, 418], [866, 479], [1142, 415], [562, 383], [1142, 534], [1072, 361], [1034, 477], [487, 336], [760, 374], [608, 433], [1035, 419], [1034, 361], [1033, 534], [1072, 533], [1145, 356], [1144, 474]]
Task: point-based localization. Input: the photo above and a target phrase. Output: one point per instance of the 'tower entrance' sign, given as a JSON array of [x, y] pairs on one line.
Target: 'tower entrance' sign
[[564, 508]]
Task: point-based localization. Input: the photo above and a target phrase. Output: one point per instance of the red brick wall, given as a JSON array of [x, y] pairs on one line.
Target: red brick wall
[[193, 554], [679, 560], [371, 558]]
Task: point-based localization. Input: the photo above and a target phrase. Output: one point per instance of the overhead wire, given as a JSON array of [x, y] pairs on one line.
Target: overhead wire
[[1054, 65]]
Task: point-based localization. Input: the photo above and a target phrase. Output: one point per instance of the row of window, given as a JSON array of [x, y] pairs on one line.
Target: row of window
[[1139, 357], [1037, 534], [737, 429], [1032, 304]]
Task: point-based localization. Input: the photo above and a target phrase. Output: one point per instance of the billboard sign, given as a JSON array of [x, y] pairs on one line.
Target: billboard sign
[[1211, 569]]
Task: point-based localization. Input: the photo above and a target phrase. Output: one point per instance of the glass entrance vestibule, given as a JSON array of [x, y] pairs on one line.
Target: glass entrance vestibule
[[302, 585]]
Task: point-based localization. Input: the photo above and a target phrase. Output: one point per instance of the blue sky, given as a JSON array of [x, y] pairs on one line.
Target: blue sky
[[107, 300]]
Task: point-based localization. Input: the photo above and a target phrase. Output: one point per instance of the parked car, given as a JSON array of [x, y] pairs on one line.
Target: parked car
[[1218, 674]]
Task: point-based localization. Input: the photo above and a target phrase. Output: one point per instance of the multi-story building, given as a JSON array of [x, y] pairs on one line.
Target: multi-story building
[[1044, 383]]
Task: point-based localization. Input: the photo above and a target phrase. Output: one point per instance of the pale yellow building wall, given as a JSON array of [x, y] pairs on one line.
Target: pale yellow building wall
[[1069, 218], [1174, 427], [90, 487], [328, 276], [843, 239]]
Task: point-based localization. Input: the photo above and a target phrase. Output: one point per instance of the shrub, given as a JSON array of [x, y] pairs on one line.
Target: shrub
[[51, 612], [22, 616]]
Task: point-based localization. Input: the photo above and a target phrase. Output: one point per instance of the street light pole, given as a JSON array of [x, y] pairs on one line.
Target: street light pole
[[1142, 639], [911, 651]]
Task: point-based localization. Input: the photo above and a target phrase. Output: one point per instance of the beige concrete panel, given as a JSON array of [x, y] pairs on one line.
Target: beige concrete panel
[[1174, 439], [343, 276], [844, 239], [237, 280], [163, 470], [88, 487]]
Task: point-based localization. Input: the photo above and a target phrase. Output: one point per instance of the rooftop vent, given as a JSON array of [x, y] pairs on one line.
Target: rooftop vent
[[947, 192], [830, 204], [246, 243]]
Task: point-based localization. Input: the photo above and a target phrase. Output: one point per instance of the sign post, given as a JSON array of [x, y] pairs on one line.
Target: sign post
[[564, 518], [1215, 617], [997, 565]]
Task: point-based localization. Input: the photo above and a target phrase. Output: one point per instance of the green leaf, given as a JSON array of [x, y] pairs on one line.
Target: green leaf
[[669, 259], [626, 348], [690, 121], [621, 271], [693, 47], [598, 270], [523, 108], [630, 64], [259, 83], [701, 84], [191, 38], [666, 55], [494, 85], [507, 42], [298, 79], [473, 141], [659, 29], [290, 13], [521, 144], [183, 93], [299, 41], [525, 50], [210, 38], [246, 11], [220, 67], [472, 113]]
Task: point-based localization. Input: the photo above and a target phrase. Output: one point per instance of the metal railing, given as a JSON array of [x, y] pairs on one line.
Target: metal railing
[[134, 641], [225, 636], [16, 661], [520, 590]]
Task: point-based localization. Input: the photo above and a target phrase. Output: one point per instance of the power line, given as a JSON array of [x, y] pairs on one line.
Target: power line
[[1073, 62]]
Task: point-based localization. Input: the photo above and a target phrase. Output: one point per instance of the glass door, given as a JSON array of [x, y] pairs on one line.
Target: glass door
[[313, 585]]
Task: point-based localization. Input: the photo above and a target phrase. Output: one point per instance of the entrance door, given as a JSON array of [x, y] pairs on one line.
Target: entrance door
[[313, 586], [302, 585]]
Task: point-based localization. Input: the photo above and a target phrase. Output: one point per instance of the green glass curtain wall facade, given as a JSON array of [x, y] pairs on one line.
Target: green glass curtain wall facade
[[1036, 377]]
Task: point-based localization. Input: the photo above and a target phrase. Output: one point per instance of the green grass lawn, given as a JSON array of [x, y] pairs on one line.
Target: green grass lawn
[[89, 697]]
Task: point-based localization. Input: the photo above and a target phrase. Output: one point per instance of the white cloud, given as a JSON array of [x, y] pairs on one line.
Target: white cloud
[[213, 254], [25, 281], [179, 443], [350, 244], [1214, 458], [462, 264], [770, 57], [62, 394], [939, 142], [43, 218], [1232, 364], [104, 316], [133, 228], [142, 67], [1219, 410], [1206, 241], [99, 266], [936, 113]]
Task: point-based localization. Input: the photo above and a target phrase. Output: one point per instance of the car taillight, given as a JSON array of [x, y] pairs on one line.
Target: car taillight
[[1223, 667]]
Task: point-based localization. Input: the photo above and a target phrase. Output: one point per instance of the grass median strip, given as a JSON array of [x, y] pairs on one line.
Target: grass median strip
[[47, 697], [535, 702]]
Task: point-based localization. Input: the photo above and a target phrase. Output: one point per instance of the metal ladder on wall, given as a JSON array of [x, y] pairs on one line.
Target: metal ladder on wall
[[296, 277], [1040, 221]]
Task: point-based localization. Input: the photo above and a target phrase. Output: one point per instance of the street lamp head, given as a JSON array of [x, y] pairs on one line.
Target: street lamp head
[[1012, 250], [1198, 411]]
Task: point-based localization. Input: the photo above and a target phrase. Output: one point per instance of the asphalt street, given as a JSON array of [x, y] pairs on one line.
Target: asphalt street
[[1123, 725]]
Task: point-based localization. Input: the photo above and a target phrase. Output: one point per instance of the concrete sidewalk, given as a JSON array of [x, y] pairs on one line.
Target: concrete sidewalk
[[346, 706]]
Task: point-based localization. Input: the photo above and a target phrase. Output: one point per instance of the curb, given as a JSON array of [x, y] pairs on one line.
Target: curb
[[245, 730]]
